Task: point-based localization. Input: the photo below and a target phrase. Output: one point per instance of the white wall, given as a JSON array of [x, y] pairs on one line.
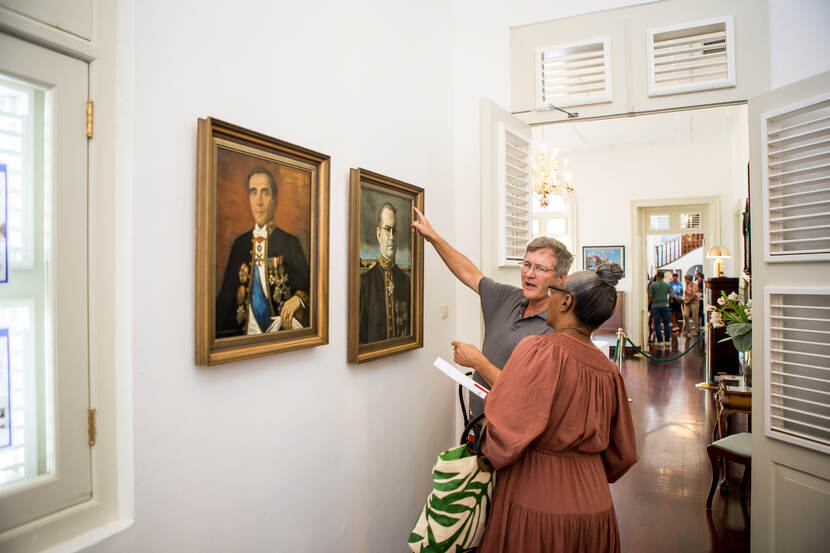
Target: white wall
[[608, 181], [694, 163], [799, 40], [299, 451]]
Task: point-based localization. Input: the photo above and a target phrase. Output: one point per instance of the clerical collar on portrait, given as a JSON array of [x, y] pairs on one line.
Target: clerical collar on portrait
[[386, 264]]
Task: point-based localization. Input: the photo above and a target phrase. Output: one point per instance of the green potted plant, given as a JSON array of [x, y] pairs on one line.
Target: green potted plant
[[735, 314]]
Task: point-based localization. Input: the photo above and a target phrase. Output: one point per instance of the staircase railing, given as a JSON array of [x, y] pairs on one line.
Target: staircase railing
[[671, 251]]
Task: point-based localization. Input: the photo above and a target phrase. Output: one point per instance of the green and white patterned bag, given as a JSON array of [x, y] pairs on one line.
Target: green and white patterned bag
[[455, 514]]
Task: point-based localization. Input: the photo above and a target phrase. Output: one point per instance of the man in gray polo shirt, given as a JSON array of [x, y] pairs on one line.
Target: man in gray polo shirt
[[510, 313]]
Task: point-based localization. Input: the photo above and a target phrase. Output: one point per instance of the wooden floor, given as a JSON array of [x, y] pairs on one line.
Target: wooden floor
[[661, 501]]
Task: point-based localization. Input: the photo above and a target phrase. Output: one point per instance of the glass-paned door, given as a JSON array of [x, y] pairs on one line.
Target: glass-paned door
[[44, 362]]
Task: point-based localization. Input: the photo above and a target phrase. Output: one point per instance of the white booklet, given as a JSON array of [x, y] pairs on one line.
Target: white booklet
[[458, 375]]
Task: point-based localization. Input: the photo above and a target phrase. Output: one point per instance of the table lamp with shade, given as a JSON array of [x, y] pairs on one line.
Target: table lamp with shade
[[718, 253]]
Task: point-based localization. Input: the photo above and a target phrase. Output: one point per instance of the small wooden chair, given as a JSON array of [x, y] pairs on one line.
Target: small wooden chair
[[737, 448]]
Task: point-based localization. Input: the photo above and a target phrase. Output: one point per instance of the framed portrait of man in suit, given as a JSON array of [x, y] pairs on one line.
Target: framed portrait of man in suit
[[261, 245], [386, 273]]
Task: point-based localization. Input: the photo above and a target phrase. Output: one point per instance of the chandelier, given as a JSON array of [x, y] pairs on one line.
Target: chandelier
[[549, 176]]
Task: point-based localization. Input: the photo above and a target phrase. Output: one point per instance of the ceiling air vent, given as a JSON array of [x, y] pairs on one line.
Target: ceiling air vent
[[574, 74], [796, 181], [691, 57]]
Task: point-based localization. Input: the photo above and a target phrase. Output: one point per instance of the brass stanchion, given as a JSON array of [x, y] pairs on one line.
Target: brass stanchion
[[708, 384], [620, 352], [643, 334], [618, 355]]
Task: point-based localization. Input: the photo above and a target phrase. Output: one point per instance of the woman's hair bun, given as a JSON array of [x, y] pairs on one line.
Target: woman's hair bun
[[610, 273]]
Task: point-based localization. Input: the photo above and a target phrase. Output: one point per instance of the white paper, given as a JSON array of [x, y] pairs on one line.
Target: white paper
[[459, 376]]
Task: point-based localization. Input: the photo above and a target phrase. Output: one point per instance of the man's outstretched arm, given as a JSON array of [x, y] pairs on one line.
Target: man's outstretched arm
[[458, 264]]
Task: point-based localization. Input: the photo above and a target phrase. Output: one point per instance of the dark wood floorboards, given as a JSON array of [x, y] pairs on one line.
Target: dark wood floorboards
[[661, 501]]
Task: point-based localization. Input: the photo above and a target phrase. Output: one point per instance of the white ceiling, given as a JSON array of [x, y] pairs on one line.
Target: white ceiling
[[627, 132]]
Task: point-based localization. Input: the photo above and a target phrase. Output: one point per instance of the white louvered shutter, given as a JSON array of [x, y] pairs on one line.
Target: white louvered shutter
[[796, 181], [689, 221], [515, 196], [658, 222], [691, 57], [574, 74], [798, 366]]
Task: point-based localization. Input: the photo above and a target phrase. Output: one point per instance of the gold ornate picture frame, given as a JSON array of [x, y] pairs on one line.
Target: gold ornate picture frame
[[262, 245], [386, 267]]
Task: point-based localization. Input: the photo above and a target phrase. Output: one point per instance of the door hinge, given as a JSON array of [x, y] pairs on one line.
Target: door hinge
[[90, 417], [90, 118]]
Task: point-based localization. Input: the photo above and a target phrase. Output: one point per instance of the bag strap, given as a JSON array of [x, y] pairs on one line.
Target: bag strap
[[479, 432], [461, 400], [476, 428]]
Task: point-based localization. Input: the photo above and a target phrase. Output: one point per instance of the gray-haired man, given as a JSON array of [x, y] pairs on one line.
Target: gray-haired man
[[510, 313]]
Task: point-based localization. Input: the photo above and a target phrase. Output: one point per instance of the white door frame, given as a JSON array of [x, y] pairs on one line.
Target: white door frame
[[639, 229]]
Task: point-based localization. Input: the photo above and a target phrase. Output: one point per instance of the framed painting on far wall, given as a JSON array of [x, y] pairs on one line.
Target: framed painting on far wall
[[386, 268], [592, 256], [262, 249]]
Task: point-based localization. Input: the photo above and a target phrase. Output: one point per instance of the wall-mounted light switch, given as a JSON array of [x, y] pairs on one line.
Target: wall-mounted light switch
[[444, 311]]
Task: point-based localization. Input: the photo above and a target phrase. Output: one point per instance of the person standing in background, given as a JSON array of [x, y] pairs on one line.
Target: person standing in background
[[675, 300], [691, 306], [658, 295]]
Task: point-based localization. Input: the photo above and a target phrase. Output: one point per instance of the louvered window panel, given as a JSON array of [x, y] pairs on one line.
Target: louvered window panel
[[515, 209], [691, 57], [658, 222], [574, 74], [796, 173], [798, 366], [689, 221]]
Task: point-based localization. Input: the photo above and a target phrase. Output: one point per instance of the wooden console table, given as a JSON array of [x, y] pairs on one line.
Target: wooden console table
[[731, 399]]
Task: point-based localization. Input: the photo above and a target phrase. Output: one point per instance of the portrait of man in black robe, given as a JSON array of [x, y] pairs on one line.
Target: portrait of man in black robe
[[384, 286], [266, 281]]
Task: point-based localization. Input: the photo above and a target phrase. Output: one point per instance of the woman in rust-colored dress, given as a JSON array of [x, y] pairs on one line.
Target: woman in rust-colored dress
[[558, 427]]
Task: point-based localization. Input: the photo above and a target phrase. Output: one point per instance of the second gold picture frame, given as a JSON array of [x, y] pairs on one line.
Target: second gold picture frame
[[386, 267]]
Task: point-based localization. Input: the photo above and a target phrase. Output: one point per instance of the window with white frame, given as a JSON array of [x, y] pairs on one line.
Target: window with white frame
[[574, 74], [24, 419], [45, 457], [691, 57], [556, 220], [58, 323]]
